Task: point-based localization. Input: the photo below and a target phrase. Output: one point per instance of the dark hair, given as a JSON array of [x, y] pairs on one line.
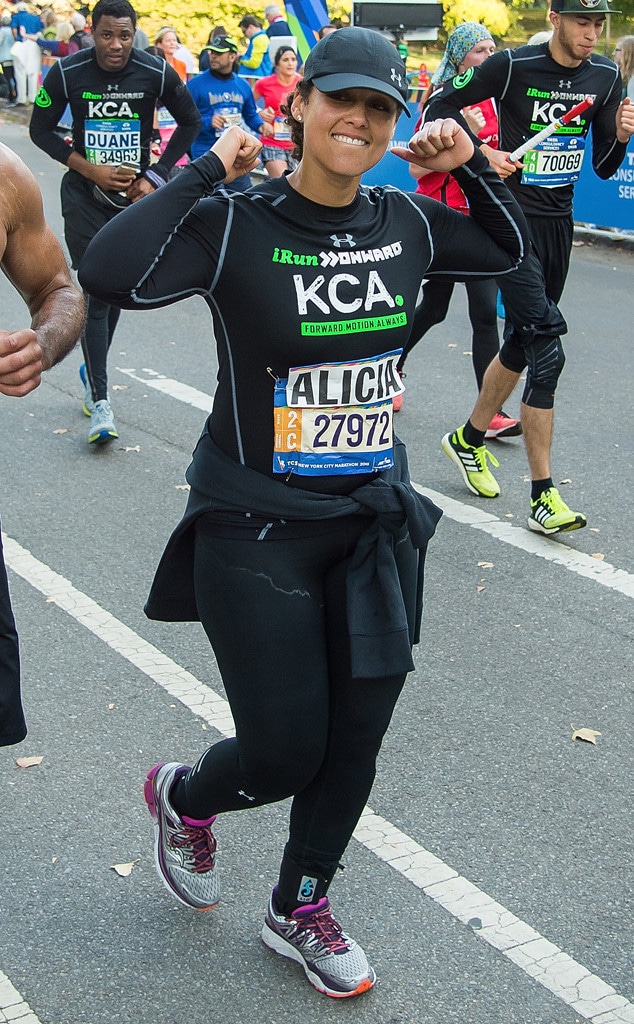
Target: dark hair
[[113, 9], [279, 53], [219, 30], [155, 51], [303, 90], [250, 19]]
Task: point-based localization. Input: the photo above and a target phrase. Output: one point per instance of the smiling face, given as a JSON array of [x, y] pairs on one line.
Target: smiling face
[[113, 42], [575, 37], [345, 133]]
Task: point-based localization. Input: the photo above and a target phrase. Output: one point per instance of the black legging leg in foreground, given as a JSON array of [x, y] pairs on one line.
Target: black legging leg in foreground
[[274, 611]]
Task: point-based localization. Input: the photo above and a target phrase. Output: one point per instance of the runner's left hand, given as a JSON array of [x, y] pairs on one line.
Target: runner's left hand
[[440, 145]]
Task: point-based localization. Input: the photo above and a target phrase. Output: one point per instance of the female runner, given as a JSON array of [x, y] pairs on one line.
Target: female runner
[[302, 546]]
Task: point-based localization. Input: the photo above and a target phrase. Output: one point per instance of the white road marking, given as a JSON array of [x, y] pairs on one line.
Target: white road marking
[[570, 981], [544, 547], [13, 1008], [173, 388]]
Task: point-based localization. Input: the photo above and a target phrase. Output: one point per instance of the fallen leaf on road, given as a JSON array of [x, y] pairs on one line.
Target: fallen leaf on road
[[508, 515], [467, 353], [585, 734], [182, 487], [599, 557], [136, 448], [111, 707], [119, 387], [480, 589], [485, 565], [566, 481], [61, 430], [124, 869], [452, 346], [28, 762]]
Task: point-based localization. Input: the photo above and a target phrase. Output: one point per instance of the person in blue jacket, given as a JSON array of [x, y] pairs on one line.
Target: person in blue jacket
[[224, 99]]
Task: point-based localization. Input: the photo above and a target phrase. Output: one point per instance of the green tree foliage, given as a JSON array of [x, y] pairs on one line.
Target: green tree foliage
[[192, 23], [494, 14]]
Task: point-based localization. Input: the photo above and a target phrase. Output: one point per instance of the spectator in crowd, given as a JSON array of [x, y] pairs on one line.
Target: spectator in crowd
[[255, 60], [325, 30], [167, 40], [82, 37], [6, 57], [273, 89], [141, 40], [27, 58], [277, 25], [224, 99], [49, 22], [624, 57], [58, 46], [203, 57]]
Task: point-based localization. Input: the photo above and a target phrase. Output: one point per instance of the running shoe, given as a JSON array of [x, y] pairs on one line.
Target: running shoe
[[472, 463], [333, 963], [550, 514], [184, 848], [88, 405], [503, 425], [102, 425]]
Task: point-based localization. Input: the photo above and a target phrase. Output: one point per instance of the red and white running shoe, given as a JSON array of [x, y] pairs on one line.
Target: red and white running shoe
[[503, 426]]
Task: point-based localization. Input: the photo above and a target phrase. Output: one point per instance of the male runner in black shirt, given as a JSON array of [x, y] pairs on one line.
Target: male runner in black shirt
[[112, 90], [535, 85]]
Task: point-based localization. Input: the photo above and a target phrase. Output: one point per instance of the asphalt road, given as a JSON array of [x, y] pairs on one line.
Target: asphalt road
[[478, 768]]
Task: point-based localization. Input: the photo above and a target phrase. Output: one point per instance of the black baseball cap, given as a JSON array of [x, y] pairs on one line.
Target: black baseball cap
[[223, 44], [357, 58], [582, 7]]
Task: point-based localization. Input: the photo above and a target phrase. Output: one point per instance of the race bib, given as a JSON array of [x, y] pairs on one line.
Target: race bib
[[281, 130], [165, 119], [336, 418], [231, 118], [556, 162], [112, 141]]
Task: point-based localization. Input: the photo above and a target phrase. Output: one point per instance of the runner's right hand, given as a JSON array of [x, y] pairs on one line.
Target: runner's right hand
[[238, 151]]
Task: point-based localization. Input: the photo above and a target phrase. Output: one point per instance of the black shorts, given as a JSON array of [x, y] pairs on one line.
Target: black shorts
[[83, 214]]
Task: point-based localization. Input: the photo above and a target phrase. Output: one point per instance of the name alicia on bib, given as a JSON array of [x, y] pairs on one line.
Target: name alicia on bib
[[336, 418]]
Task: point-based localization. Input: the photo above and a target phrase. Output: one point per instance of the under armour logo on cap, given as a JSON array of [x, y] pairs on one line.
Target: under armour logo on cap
[[357, 58]]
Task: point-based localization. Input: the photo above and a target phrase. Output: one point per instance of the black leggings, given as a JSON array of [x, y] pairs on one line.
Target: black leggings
[[482, 299], [83, 218], [12, 724], [274, 610]]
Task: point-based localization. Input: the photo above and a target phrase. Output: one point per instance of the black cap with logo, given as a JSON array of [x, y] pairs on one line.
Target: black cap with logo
[[357, 58], [582, 7]]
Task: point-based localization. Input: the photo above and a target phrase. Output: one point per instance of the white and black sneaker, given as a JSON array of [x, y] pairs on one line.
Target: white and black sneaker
[[333, 963]]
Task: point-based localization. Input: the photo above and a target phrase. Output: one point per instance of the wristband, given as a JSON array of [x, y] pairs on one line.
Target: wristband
[[154, 179]]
